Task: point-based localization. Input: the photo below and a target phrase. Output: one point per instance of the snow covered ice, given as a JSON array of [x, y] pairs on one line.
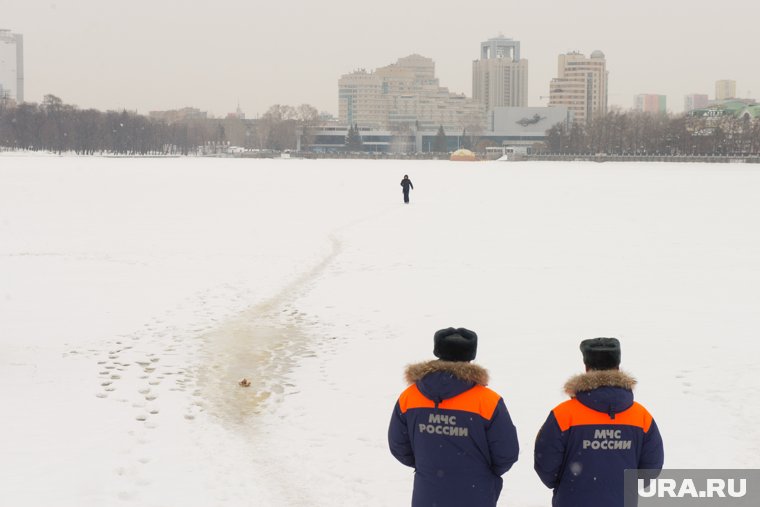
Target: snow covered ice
[[136, 293]]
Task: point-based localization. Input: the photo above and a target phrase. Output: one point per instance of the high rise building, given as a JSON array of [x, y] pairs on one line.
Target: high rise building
[[11, 65], [500, 76], [725, 89], [580, 85], [650, 103], [695, 101], [402, 95]]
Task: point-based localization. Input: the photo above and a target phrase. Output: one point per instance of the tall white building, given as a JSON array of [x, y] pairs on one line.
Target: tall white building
[[500, 76], [580, 85], [11, 65], [402, 95]]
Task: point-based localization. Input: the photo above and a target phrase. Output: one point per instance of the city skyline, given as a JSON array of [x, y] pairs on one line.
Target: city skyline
[[117, 57]]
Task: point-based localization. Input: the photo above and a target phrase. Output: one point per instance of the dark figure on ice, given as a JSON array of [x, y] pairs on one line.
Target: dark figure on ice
[[454, 431], [589, 440], [406, 184]]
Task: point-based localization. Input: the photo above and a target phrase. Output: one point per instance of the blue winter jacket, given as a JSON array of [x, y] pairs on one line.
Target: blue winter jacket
[[588, 441], [456, 434]]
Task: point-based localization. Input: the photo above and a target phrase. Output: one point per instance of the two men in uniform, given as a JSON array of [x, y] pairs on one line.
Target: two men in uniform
[[458, 435]]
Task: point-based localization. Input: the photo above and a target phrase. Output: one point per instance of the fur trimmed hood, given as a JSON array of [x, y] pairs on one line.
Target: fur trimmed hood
[[467, 372], [595, 379], [442, 380], [607, 391]]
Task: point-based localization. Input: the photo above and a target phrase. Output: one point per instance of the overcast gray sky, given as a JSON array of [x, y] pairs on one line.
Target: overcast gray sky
[[163, 54]]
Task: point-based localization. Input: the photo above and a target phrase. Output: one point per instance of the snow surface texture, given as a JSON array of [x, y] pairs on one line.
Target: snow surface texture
[[135, 293]]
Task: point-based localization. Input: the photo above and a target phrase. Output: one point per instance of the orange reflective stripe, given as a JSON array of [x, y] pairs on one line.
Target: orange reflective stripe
[[574, 413], [479, 400], [413, 398]]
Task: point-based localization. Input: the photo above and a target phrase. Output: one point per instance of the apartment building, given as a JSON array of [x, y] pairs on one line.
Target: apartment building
[[404, 95], [650, 103], [725, 89], [580, 85], [695, 101]]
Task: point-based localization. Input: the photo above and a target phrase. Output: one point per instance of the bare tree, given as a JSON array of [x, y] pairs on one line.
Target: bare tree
[[308, 120]]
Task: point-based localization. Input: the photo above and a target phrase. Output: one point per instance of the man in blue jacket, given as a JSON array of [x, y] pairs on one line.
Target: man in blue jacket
[[589, 440], [454, 431], [406, 184]]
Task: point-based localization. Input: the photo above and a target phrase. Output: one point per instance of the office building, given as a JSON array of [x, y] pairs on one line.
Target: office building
[[500, 76], [725, 89], [580, 85], [11, 66], [402, 96], [516, 127], [650, 103]]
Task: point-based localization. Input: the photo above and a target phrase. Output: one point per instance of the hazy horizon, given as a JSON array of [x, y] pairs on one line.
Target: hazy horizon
[[163, 54]]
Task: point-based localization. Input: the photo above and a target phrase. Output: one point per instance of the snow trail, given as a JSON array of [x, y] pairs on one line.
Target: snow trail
[[261, 343]]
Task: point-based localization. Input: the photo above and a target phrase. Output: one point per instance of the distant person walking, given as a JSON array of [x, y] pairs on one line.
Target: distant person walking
[[406, 185], [588, 441], [454, 431]]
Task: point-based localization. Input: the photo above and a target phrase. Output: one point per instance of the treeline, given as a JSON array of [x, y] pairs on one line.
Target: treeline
[[58, 127], [636, 133]]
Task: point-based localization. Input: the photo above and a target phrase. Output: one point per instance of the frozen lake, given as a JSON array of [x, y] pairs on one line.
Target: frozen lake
[[134, 293]]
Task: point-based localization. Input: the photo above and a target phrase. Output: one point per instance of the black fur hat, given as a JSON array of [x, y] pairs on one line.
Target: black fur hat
[[601, 353], [455, 344]]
